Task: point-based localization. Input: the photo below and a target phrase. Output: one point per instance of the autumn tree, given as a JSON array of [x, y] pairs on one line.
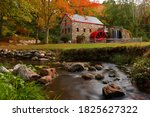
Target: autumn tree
[[48, 10], [53, 8], [82, 7], [40, 14], [16, 10]]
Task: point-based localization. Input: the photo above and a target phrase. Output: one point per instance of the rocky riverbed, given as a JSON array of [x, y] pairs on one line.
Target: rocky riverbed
[[34, 55], [82, 83], [83, 80]]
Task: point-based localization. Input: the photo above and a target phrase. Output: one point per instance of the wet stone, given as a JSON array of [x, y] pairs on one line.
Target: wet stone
[[99, 67], [112, 91], [88, 76], [35, 58], [76, 67], [105, 81], [99, 76], [112, 73], [91, 68], [117, 79]]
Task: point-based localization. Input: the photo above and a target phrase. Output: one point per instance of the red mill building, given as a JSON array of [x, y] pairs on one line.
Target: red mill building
[[74, 25]]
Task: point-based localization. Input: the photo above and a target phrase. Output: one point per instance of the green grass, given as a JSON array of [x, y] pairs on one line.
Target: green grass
[[74, 46], [15, 88], [122, 59]]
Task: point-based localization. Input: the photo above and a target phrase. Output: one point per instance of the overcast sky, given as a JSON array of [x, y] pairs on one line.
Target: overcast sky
[[101, 1]]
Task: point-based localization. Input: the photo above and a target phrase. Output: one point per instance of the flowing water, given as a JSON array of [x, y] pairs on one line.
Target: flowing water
[[71, 86]]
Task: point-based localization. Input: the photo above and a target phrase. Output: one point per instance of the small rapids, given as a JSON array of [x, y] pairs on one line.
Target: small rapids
[[71, 86]]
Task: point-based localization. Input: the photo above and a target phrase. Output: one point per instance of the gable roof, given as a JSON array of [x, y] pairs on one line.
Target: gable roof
[[85, 19]]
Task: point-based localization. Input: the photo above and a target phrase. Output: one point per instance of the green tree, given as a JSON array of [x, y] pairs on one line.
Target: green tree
[[16, 11], [128, 14]]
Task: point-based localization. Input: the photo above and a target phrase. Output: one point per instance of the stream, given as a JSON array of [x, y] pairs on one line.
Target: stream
[[71, 86]]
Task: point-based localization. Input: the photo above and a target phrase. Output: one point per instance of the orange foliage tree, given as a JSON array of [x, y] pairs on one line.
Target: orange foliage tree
[[48, 10], [81, 7]]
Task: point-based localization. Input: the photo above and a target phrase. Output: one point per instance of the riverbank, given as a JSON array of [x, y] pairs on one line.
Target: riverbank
[[103, 54], [93, 52]]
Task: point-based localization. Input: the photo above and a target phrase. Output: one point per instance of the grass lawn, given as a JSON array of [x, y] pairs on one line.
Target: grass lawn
[[73, 46]]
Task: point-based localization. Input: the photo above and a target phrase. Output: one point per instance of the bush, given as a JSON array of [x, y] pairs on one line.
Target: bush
[[65, 38], [122, 59], [15, 88], [147, 54], [80, 38], [140, 73], [55, 39]]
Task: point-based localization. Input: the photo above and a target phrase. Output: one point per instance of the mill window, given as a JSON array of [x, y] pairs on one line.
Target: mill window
[[65, 22], [65, 30], [90, 30], [84, 30], [68, 30]]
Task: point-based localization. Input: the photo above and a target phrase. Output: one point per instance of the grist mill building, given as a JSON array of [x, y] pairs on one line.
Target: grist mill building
[[74, 25]]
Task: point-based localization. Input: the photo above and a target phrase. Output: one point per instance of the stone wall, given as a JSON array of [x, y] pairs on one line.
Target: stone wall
[[84, 28], [24, 42], [33, 55], [66, 27]]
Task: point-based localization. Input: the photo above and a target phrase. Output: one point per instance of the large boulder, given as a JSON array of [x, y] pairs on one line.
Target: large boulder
[[25, 72], [47, 75], [88, 76], [76, 67], [3, 69], [112, 90]]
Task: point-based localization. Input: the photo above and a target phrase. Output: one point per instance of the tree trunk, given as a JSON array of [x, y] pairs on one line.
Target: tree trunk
[[37, 35], [1, 25], [47, 36]]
